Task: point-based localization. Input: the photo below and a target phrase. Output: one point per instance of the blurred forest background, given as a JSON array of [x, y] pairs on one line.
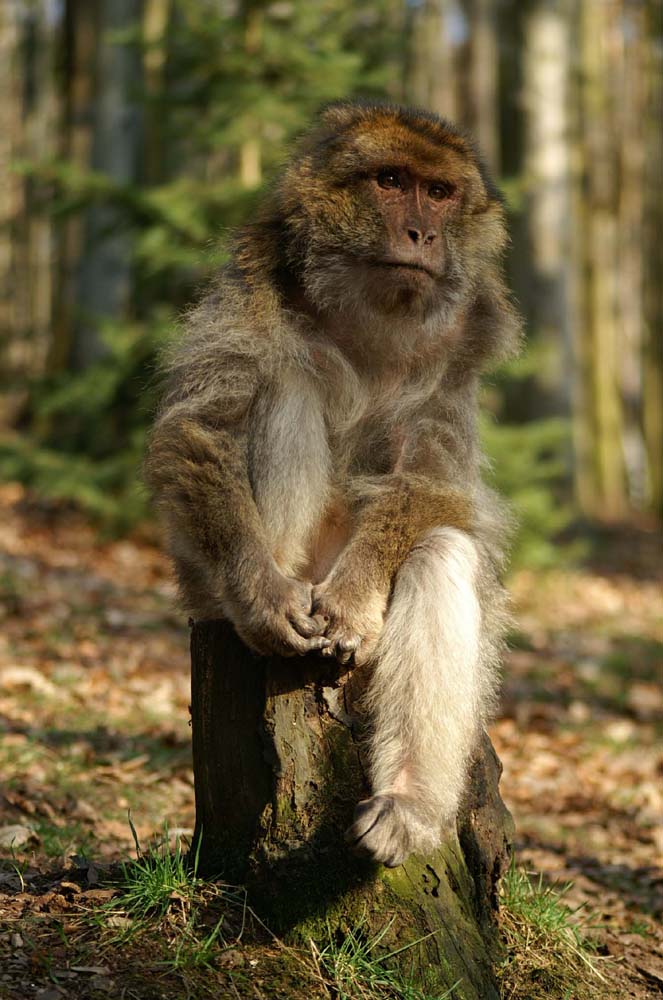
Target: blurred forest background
[[135, 133]]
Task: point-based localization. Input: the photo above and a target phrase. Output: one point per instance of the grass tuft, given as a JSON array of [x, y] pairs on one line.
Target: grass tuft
[[157, 878], [548, 948], [352, 968], [161, 891]]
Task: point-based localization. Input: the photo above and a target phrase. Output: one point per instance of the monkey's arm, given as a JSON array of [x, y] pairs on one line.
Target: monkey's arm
[[197, 468], [435, 484], [390, 517]]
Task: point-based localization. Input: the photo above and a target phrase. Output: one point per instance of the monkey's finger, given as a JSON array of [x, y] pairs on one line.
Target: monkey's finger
[[317, 643], [346, 648], [301, 645], [305, 625]]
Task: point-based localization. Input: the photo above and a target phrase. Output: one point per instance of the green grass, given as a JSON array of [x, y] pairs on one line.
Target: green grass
[[640, 927], [354, 968], [548, 948], [203, 939], [160, 895], [61, 841], [156, 878], [188, 924]]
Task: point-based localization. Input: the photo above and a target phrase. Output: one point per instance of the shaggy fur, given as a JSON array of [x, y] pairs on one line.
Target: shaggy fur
[[316, 455]]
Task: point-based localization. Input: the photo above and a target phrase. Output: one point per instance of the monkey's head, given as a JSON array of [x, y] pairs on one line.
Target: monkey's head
[[385, 211]]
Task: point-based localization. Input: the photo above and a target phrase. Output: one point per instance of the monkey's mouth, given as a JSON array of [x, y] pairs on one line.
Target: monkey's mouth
[[406, 265]]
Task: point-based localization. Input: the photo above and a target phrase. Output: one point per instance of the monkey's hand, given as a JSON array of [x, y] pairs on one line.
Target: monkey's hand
[[354, 616], [273, 616]]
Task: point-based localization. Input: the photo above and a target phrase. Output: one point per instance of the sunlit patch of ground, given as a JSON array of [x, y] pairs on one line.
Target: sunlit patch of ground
[[94, 688], [94, 693], [581, 739]]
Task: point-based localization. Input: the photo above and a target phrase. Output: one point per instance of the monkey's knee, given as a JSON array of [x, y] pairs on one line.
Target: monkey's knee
[[449, 550]]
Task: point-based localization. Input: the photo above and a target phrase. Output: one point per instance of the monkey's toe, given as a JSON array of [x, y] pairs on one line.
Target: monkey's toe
[[380, 830]]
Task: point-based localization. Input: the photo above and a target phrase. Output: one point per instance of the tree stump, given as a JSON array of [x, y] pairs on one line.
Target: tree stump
[[278, 771]]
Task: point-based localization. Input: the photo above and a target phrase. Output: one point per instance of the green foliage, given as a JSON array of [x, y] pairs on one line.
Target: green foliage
[[87, 436], [529, 466], [161, 892], [229, 80]]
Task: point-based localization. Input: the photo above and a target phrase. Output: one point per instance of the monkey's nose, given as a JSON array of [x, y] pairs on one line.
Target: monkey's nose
[[418, 237]]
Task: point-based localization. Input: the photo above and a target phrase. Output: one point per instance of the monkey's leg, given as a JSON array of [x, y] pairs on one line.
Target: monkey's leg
[[424, 700]]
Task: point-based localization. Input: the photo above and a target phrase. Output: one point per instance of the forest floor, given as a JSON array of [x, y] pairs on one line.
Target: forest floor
[[94, 725]]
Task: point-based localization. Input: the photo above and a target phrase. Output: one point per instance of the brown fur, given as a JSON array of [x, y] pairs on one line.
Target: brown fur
[[318, 431]]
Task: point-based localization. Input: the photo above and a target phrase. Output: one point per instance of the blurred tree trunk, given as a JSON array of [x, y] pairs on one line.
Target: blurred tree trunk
[[653, 251], [430, 74], [81, 32], [10, 187], [629, 84], [105, 275], [156, 18], [278, 770], [547, 200], [394, 60], [618, 436], [250, 153], [42, 119], [600, 466], [482, 84], [30, 113]]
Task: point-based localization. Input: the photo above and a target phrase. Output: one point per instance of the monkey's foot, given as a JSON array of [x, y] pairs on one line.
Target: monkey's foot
[[386, 828]]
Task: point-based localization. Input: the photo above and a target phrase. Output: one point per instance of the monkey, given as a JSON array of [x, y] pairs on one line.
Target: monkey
[[316, 455]]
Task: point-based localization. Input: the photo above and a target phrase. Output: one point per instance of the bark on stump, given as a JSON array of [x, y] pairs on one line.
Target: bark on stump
[[278, 771]]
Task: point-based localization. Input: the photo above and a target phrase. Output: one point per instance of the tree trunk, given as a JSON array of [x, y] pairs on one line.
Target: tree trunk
[[546, 70], [278, 769], [431, 59], [28, 122], [653, 261], [482, 81], [250, 151], [81, 49], [10, 193], [601, 481], [105, 278]]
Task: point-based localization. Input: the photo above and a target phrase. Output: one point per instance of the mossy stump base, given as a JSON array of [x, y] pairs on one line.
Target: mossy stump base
[[278, 771]]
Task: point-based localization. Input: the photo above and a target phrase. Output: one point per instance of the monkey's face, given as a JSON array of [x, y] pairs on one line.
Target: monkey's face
[[391, 214], [409, 260]]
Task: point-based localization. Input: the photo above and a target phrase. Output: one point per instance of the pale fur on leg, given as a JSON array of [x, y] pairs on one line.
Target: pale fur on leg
[[424, 700]]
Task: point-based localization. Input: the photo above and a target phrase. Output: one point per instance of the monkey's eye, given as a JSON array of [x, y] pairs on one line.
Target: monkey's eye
[[389, 179], [441, 190]]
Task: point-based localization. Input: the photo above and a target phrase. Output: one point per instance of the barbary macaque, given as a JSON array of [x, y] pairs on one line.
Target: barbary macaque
[[316, 456]]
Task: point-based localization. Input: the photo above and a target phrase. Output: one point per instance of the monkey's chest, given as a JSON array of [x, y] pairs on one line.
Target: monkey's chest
[[371, 448]]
